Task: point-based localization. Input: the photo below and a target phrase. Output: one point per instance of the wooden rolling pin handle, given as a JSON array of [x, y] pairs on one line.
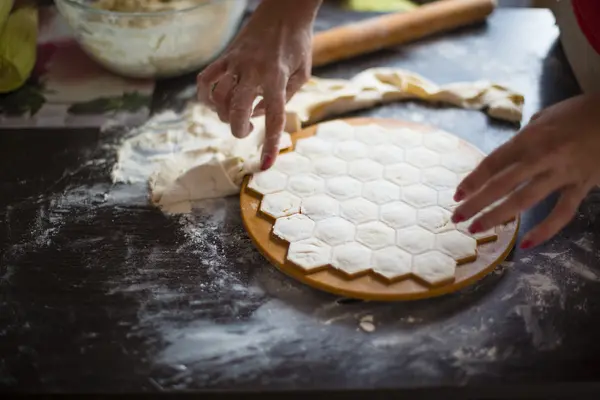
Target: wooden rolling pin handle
[[393, 29]]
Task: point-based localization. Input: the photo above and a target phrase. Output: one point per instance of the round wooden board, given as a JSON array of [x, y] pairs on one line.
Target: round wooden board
[[369, 286]]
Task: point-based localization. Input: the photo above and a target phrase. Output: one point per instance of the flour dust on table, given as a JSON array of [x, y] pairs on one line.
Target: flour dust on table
[[192, 155]]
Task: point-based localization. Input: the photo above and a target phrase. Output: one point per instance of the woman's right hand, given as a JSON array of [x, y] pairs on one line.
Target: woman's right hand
[[271, 57]]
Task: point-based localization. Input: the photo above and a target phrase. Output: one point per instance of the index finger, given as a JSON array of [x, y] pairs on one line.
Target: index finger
[[274, 101], [498, 160]]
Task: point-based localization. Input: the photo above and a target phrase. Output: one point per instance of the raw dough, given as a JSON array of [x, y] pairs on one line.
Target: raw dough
[[280, 204], [434, 267], [309, 254], [294, 228], [193, 156]]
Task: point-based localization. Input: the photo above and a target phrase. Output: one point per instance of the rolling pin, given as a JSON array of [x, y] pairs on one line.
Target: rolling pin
[[393, 29]]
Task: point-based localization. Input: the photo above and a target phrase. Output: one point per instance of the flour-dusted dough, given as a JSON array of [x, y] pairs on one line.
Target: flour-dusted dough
[[456, 245], [359, 210], [387, 154], [419, 196], [335, 231], [305, 185], [292, 164], [435, 219], [402, 174], [328, 167], [320, 98], [422, 157], [372, 134], [309, 254], [415, 240], [313, 147], [392, 263], [375, 235], [320, 207], [266, 182], [439, 178], [365, 170], [434, 267], [351, 150], [335, 131], [381, 192], [398, 215], [351, 258], [294, 228], [368, 213], [343, 187], [280, 204]]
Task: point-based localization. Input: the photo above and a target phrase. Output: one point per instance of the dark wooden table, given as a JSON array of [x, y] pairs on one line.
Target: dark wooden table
[[101, 293]]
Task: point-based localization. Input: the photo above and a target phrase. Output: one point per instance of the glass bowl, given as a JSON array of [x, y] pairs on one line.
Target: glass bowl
[[154, 43]]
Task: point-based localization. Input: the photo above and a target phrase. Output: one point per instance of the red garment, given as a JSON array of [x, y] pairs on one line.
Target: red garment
[[587, 13]]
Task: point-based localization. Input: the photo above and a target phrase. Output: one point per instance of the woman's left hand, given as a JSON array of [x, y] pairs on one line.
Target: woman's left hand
[[559, 150]]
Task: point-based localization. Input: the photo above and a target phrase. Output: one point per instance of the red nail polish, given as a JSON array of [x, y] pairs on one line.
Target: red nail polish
[[476, 227], [457, 218], [459, 195], [266, 162], [526, 244]]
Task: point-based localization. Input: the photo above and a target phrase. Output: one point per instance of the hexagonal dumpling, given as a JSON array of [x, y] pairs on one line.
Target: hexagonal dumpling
[[440, 142], [392, 263], [402, 174], [320, 207], [335, 231], [280, 204], [309, 254], [415, 240], [439, 178], [269, 181], [294, 228], [422, 157], [359, 210], [481, 237], [398, 215], [372, 134], [365, 170], [351, 258], [387, 154], [460, 247], [419, 196], [305, 185], [381, 192], [406, 138], [375, 235], [335, 131], [329, 167], [292, 164], [434, 267], [351, 150], [446, 199], [343, 188], [435, 219], [460, 161], [313, 147]]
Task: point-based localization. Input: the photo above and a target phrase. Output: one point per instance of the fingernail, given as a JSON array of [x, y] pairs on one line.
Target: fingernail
[[526, 244], [459, 195], [476, 227], [456, 218], [267, 161]]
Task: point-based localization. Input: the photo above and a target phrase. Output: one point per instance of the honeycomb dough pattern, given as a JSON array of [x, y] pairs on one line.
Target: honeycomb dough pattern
[[369, 198]]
